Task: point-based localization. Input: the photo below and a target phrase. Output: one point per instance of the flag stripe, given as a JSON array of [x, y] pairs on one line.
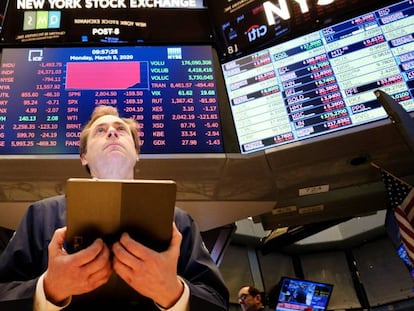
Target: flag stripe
[[408, 205], [401, 200], [405, 227], [406, 231]]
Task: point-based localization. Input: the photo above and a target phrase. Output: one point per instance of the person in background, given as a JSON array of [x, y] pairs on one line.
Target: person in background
[[252, 299], [37, 273]]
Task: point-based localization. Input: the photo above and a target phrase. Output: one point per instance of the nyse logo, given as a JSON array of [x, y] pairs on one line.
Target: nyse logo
[[256, 32], [282, 10], [35, 56]]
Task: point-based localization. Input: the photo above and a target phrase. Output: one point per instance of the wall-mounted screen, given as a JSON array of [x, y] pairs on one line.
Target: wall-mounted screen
[[323, 81], [296, 294], [242, 27], [47, 95], [109, 21]]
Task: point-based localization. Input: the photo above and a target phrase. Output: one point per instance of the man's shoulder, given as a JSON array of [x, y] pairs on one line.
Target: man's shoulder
[[52, 201], [44, 215], [53, 204]]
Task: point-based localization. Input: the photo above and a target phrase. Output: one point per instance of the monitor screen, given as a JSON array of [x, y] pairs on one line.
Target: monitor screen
[[324, 81], [296, 294], [47, 95]]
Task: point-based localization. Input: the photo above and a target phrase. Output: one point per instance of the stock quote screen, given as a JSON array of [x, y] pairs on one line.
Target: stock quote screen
[[323, 81], [243, 27], [48, 94]]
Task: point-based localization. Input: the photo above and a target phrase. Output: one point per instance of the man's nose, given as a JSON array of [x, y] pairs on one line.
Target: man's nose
[[112, 132]]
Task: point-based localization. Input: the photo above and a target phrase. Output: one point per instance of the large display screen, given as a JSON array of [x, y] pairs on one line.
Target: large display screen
[[296, 294], [323, 81], [109, 21], [47, 95], [242, 27]]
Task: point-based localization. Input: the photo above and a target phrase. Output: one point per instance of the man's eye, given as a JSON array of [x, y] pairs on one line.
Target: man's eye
[[100, 130]]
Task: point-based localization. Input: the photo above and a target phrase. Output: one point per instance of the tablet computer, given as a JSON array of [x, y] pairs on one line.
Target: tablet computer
[[105, 208]]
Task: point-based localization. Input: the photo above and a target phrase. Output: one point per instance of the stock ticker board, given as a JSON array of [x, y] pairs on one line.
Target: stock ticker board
[[47, 95], [324, 81]]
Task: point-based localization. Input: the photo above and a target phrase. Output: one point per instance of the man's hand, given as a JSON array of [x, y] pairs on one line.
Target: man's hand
[[74, 274], [150, 273]]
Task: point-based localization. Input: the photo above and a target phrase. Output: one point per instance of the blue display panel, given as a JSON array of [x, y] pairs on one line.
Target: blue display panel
[[296, 294], [47, 95], [324, 81]]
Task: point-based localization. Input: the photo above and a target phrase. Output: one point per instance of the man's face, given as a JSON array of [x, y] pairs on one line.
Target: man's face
[[247, 302], [110, 151]]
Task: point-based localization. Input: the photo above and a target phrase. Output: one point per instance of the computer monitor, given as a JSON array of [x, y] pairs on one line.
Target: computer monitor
[[305, 295]]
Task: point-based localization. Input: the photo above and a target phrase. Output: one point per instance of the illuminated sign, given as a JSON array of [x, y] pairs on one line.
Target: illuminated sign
[[41, 20], [282, 10], [108, 21], [256, 31], [108, 4]]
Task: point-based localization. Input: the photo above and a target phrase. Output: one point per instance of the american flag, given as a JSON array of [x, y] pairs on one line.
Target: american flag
[[401, 201]]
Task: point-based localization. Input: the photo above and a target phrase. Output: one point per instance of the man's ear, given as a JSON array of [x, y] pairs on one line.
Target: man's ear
[[83, 159]]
